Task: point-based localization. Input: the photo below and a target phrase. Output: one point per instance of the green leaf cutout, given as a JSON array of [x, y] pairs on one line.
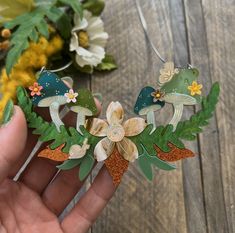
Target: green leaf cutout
[[69, 164], [145, 167], [86, 166], [146, 161], [108, 63], [96, 7]]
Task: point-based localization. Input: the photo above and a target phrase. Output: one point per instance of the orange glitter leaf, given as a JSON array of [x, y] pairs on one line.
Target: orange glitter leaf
[[56, 155], [174, 154], [116, 166]]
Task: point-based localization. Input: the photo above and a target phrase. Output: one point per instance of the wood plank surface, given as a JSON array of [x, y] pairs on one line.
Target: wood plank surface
[[200, 197], [138, 205]]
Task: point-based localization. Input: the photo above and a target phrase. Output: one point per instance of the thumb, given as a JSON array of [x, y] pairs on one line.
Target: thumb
[[13, 137]]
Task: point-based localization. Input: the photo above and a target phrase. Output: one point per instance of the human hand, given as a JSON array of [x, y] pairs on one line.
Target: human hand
[[34, 202]]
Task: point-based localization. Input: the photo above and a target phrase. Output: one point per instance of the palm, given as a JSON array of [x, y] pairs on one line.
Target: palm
[[22, 210], [34, 203]]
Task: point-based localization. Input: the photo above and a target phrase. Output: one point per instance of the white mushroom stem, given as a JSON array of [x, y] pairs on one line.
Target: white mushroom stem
[[54, 113], [178, 111], [151, 119], [81, 119]]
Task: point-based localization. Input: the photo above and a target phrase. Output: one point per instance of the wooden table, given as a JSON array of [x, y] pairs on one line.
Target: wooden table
[[199, 196]]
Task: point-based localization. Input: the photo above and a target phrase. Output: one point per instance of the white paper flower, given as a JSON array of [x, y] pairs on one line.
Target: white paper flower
[[116, 133], [88, 39], [167, 73], [71, 96]]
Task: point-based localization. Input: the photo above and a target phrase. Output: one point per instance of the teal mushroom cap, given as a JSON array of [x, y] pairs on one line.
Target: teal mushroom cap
[[52, 95], [145, 102], [53, 90]]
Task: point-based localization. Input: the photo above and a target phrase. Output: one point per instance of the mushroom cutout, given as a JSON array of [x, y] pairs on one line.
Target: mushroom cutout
[[84, 106], [146, 105], [52, 95], [177, 92]]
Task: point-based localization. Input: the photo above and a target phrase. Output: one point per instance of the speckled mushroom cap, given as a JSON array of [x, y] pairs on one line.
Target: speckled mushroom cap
[[84, 103], [176, 90], [145, 102], [53, 90]]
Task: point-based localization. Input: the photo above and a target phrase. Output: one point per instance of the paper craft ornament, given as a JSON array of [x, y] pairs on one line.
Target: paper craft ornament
[[178, 94], [56, 154], [52, 95], [147, 104], [84, 106], [113, 140]]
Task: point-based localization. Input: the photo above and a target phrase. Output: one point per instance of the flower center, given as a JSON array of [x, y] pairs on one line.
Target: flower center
[[115, 133], [83, 39], [35, 89], [71, 96]]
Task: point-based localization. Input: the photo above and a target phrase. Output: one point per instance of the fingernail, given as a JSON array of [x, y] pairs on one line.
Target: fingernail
[[7, 112]]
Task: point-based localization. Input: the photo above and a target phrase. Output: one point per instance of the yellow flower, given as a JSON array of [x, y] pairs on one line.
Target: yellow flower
[[195, 89], [23, 73], [10, 9]]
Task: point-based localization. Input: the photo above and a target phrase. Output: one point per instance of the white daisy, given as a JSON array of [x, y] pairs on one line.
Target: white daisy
[[88, 39]]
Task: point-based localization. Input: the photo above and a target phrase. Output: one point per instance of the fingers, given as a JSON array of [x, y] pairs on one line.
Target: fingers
[[61, 190], [40, 171], [91, 204], [31, 141], [13, 138]]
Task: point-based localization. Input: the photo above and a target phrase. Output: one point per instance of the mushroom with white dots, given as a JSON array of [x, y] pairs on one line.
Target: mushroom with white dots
[[147, 103], [51, 94]]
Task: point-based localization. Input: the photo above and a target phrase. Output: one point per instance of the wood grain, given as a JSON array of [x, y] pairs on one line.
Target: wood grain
[[138, 205], [199, 196]]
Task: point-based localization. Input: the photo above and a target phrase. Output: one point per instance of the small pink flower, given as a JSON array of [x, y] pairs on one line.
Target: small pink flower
[[35, 89], [71, 96]]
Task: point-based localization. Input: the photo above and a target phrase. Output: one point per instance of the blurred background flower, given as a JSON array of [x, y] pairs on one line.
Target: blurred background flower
[[10, 9], [88, 40]]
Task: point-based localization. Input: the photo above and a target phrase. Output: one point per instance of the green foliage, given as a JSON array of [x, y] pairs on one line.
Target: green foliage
[[96, 7], [186, 130], [107, 64], [75, 5], [31, 25], [146, 161], [7, 112], [48, 133], [70, 164], [86, 166], [145, 142]]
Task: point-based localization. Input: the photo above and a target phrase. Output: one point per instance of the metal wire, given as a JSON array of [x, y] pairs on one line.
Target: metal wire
[[145, 28], [62, 68]]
